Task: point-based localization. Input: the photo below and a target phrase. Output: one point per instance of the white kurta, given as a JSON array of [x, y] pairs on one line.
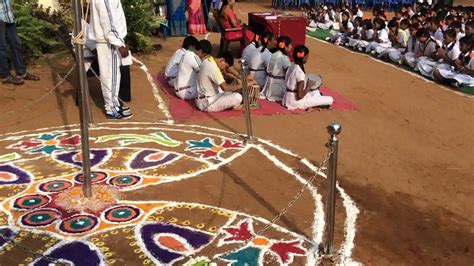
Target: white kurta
[[312, 99], [275, 87]]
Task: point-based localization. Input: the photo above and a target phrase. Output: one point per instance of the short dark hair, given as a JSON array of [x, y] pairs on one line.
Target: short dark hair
[[423, 33], [393, 23], [456, 24], [450, 33], [405, 22], [189, 41], [227, 56], [205, 46]]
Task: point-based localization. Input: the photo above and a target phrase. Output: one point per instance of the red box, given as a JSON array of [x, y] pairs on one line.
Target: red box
[[280, 25]]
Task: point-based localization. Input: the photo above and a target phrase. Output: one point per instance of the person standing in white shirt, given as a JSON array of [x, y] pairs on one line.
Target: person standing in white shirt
[[171, 69], [109, 31]]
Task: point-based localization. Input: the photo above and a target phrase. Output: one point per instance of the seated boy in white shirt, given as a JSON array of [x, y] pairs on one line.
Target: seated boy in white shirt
[[214, 94], [188, 69], [171, 69]]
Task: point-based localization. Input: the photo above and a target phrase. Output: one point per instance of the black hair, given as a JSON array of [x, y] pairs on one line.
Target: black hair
[[257, 38], [456, 25], [205, 46], [368, 24], [189, 41], [423, 33], [358, 19], [468, 39], [450, 33], [414, 26], [381, 23], [405, 22], [393, 23], [265, 39], [299, 60], [227, 56], [286, 40]]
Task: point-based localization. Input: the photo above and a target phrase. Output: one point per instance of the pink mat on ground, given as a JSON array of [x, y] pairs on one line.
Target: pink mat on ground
[[187, 110]]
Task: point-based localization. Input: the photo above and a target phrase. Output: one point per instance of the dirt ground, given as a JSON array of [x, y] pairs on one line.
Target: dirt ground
[[406, 157]]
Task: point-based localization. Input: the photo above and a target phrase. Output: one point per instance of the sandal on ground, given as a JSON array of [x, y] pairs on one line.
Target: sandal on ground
[[13, 80], [29, 76]]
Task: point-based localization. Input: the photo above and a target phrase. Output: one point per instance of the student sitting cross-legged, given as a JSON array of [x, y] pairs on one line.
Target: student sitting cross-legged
[[171, 69], [188, 69], [214, 94], [302, 91], [462, 72]]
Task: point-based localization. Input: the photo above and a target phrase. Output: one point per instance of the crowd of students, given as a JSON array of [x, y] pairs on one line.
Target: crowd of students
[[435, 41], [214, 83]]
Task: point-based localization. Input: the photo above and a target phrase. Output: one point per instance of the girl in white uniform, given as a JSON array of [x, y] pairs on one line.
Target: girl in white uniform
[[425, 47], [366, 36], [279, 62], [462, 72], [302, 92], [345, 28], [445, 55], [381, 40], [171, 69], [260, 58], [251, 48], [398, 36], [397, 55]]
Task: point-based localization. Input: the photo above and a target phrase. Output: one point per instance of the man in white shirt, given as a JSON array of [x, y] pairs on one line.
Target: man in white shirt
[[188, 69], [171, 69], [214, 94], [109, 29]]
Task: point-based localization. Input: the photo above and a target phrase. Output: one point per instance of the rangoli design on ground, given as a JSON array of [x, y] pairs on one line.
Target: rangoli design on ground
[[141, 212]]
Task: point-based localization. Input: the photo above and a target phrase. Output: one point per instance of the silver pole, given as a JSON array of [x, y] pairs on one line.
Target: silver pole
[[84, 101], [245, 94], [333, 129]]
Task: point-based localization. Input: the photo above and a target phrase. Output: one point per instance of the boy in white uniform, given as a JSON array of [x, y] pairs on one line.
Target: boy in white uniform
[[214, 94], [109, 30], [186, 80], [171, 69]]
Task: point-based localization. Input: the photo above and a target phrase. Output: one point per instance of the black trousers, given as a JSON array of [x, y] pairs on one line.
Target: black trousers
[[125, 91]]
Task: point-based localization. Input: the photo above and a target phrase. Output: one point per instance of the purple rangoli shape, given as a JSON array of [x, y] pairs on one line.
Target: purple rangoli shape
[[12, 175], [151, 158], [150, 232], [77, 252], [7, 234], [74, 158]]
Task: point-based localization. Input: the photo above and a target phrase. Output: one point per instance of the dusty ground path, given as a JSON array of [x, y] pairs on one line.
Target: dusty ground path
[[405, 156]]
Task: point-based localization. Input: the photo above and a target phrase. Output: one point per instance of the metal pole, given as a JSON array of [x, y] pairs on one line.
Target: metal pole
[[333, 129], [84, 100], [245, 94]]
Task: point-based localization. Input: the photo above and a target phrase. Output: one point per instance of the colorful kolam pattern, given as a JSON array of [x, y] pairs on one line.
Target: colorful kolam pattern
[[159, 199]]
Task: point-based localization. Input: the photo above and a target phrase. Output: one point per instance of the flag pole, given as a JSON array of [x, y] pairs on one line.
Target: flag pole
[[83, 100]]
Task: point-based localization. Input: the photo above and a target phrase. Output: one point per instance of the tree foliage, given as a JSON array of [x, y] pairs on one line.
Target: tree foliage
[[37, 36]]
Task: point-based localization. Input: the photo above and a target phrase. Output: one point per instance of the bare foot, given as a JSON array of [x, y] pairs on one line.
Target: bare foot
[[239, 107]]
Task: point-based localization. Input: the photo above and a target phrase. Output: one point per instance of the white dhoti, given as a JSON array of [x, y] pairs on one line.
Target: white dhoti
[[373, 46], [109, 64], [219, 102]]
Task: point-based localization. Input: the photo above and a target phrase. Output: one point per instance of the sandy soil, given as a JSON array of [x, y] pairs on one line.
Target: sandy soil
[[405, 156]]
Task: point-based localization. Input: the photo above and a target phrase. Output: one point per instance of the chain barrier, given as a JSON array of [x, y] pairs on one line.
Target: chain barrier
[[44, 95], [29, 250], [283, 211]]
